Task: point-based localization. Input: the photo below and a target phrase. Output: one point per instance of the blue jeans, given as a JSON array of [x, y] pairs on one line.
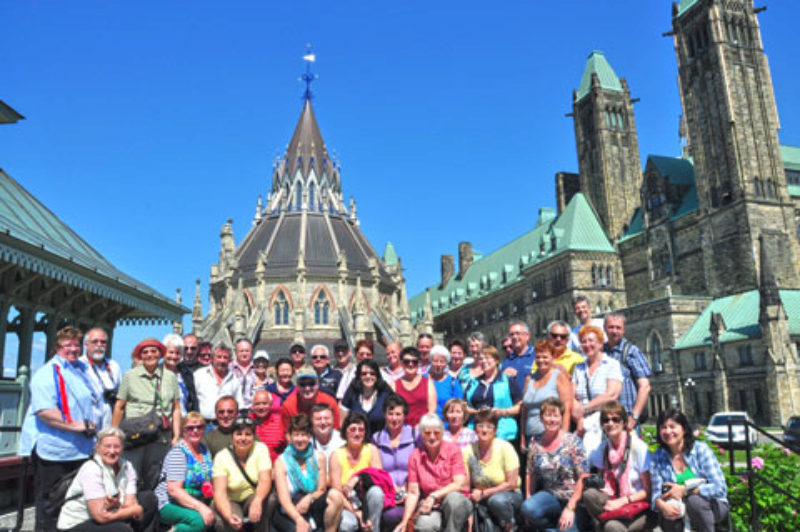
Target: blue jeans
[[503, 506], [543, 510]]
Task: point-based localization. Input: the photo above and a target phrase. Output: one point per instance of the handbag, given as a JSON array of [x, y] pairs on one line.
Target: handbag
[[142, 430], [627, 512]]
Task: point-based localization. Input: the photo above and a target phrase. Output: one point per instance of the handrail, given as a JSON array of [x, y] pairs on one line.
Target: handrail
[[750, 472], [21, 494]]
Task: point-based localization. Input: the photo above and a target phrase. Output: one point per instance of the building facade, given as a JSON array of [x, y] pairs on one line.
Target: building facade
[[703, 248], [304, 273]]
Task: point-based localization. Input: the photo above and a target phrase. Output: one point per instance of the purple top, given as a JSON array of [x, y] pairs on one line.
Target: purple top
[[395, 460]]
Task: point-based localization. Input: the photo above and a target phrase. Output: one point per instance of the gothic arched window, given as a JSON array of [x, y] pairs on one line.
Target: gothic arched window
[[654, 348], [311, 203], [321, 309], [298, 197], [281, 309]]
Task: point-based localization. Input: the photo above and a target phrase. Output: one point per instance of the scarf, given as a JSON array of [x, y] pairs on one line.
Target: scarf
[[304, 482], [618, 483]]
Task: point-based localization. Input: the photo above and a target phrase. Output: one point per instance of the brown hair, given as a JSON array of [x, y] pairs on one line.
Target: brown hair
[[614, 407], [67, 333], [544, 345], [366, 342], [492, 352], [485, 415], [552, 403]]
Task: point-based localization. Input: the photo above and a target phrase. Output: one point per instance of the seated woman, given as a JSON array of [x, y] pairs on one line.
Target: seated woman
[[493, 389], [556, 464], [184, 492], [455, 413], [343, 466], [418, 391], [395, 443], [437, 483], [301, 484], [624, 462], [677, 461], [493, 471], [447, 386], [242, 478], [103, 497], [366, 394]]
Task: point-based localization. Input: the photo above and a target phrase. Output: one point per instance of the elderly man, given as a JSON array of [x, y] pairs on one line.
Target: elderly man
[[325, 439], [307, 395], [558, 334], [635, 369], [214, 381], [517, 364], [329, 378], [437, 483], [245, 372], [104, 373], [583, 311], [59, 427], [226, 410], [424, 346], [186, 369], [364, 351], [267, 415]]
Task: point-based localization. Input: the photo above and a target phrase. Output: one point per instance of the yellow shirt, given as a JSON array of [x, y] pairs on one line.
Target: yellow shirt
[[239, 489], [568, 360], [492, 472], [364, 460]]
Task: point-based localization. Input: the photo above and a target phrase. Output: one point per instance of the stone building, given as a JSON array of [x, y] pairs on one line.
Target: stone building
[[703, 247], [304, 272]]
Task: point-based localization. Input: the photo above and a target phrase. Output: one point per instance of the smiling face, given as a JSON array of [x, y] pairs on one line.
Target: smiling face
[[110, 450], [486, 431], [438, 366], [488, 364], [285, 374], [519, 337], [475, 347], [172, 357], [260, 368], [69, 349], [551, 419], [204, 355], [455, 416], [424, 346], [393, 354], [322, 423], [544, 360], [456, 357], [193, 431], [590, 345], [319, 359], [355, 433], [410, 364], [307, 388], [96, 344], [582, 311], [395, 417], [672, 434], [612, 423], [226, 413], [261, 404], [243, 439], [222, 358], [559, 336], [300, 439], [368, 376], [363, 353], [432, 439], [149, 356], [244, 353]]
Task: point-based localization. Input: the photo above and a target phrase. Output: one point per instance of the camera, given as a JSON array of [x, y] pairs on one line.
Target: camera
[[90, 429], [110, 396]]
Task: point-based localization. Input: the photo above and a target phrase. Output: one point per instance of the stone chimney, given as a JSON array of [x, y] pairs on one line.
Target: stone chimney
[[464, 258], [448, 269]]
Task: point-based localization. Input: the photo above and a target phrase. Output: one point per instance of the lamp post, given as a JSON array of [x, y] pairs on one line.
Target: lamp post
[[690, 384]]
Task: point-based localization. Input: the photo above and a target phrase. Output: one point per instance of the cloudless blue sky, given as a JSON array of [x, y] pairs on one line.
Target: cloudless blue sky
[[148, 124]]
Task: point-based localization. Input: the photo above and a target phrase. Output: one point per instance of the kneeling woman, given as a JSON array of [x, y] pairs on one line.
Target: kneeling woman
[[242, 478], [493, 467], [300, 481], [677, 461], [624, 462], [103, 497]]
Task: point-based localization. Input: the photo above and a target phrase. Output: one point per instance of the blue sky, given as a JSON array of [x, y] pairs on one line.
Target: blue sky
[[151, 123]]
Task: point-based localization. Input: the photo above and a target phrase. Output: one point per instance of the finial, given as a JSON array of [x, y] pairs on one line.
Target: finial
[[307, 76]]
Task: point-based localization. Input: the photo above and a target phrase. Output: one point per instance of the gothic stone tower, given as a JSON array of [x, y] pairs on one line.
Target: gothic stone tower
[[732, 133], [607, 145]]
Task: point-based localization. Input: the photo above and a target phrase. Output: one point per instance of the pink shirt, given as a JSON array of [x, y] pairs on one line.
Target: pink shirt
[[432, 475]]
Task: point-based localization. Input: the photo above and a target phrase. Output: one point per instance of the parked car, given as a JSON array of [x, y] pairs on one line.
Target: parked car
[[791, 433], [717, 429]]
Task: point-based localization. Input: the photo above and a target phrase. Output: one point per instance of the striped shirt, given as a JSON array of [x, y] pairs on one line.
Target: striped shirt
[[608, 370]]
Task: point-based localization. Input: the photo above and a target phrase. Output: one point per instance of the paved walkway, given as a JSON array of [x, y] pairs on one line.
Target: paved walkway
[[9, 521]]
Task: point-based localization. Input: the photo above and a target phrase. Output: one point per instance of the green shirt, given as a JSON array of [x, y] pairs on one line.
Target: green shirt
[[687, 474], [138, 391]]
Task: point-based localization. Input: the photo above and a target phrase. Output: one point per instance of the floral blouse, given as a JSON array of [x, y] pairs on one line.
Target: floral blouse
[[558, 471]]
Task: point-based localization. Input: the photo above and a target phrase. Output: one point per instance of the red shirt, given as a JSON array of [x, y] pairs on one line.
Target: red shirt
[[432, 475], [270, 430], [290, 408]]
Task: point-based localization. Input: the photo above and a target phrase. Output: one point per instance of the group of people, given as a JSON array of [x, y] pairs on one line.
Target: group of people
[[199, 437]]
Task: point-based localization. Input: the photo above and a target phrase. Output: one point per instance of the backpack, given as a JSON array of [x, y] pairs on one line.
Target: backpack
[[58, 494]]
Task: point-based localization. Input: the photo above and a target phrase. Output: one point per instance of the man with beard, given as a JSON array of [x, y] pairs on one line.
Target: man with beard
[[104, 373], [221, 437]]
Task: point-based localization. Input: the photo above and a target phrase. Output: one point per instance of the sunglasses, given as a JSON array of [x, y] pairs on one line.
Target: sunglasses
[[226, 411], [561, 336], [190, 348], [194, 428], [306, 384], [368, 374], [410, 362], [297, 352], [610, 419], [319, 357], [244, 422]]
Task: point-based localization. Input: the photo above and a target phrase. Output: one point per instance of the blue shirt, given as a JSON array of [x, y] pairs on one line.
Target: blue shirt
[[522, 363], [704, 464], [84, 404], [446, 389], [634, 368]]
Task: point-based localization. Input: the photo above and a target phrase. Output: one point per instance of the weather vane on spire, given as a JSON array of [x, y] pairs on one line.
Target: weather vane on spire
[[307, 76]]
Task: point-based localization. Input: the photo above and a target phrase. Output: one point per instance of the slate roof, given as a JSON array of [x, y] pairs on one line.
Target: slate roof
[[740, 314], [34, 237], [8, 115], [597, 63], [576, 229]]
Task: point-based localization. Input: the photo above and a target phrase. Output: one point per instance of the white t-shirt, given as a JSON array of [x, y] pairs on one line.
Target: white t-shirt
[[95, 480], [638, 460]]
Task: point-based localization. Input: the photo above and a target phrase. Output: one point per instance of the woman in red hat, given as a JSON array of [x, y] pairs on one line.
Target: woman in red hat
[[148, 410]]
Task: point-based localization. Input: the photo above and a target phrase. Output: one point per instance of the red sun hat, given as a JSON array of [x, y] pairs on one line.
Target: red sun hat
[[148, 342]]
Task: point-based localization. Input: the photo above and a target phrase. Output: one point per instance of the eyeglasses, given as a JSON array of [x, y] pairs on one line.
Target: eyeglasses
[[610, 419], [229, 411], [368, 374], [319, 357], [559, 336], [507, 347], [193, 428], [410, 362], [190, 348], [356, 429]]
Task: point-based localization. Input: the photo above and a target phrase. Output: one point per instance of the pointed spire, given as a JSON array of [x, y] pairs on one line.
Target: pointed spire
[[389, 254], [597, 65], [197, 307]]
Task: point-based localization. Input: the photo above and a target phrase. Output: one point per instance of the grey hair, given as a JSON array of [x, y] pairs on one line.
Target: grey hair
[[431, 421], [240, 340], [615, 315], [320, 347], [173, 340], [521, 324], [439, 349], [580, 299], [109, 432], [86, 336], [477, 335], [558, 323]]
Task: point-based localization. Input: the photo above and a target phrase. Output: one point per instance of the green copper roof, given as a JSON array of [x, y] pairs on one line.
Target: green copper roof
[[679, 171], [576, 229], [791, 157], [597, 63], [740, 314], [389, 254], [683, 5], [35, 238]]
